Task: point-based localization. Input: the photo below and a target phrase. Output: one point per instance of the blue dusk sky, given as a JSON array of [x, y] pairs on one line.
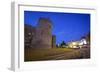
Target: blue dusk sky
[[66, 26]]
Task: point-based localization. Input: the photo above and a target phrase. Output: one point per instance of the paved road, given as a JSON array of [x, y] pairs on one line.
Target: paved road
[[76, 54]]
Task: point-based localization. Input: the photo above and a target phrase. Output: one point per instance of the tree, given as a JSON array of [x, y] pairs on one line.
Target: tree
[[63, 44]]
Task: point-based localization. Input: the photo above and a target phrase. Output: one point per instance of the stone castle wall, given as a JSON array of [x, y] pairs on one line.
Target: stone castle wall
[[42, 37]]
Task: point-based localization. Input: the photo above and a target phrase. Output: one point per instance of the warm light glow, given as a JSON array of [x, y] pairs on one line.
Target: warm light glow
[[74, 43]]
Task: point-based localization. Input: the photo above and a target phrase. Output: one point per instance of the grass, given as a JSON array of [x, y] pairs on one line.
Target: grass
[[43, 54]]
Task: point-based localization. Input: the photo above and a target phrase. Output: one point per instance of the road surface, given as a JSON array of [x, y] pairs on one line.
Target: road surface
[[76, 54]]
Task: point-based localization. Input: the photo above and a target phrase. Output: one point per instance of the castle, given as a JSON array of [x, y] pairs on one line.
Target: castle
[[40, 36]]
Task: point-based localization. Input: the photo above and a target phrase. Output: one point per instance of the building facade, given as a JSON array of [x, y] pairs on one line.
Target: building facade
[[40, 36]]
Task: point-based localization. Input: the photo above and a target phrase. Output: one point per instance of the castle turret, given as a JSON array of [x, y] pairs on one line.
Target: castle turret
[[44, 33]]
